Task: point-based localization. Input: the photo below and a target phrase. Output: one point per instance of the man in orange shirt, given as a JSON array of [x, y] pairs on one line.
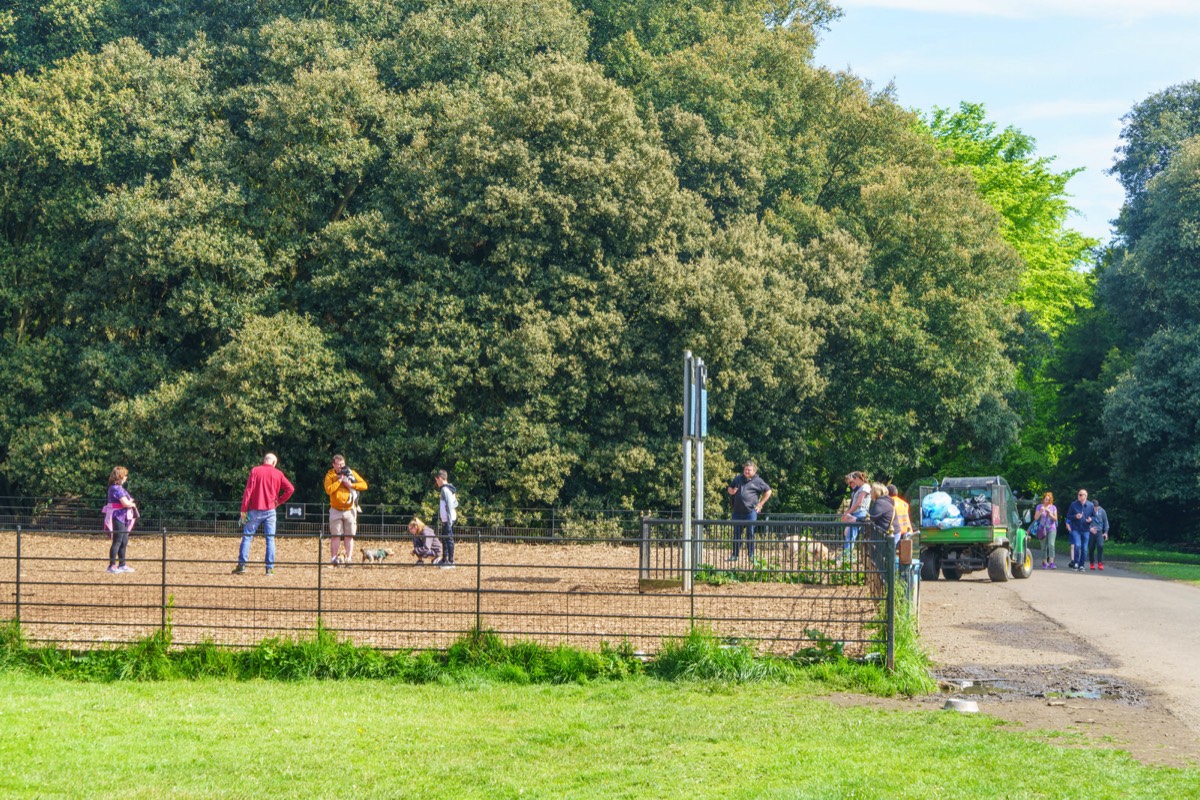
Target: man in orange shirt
[[342, 484], [906, 528]]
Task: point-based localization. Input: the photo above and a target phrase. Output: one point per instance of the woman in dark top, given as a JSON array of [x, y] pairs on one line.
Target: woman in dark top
[[883, 511]]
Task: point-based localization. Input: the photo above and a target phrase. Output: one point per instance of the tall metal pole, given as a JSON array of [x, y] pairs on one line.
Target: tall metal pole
[[688, 413]]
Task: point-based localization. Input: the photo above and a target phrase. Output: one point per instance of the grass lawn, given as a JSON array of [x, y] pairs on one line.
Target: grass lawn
[[1160, 560], [637, 738]]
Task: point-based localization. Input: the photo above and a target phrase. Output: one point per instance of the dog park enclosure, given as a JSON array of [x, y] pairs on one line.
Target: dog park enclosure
[[525, 583]]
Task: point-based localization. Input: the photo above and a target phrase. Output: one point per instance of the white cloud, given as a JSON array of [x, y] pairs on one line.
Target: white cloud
[[1033, 9]]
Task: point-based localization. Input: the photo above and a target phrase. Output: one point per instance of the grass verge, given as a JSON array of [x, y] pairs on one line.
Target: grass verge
[[477, 656], [1163, 561], [614, 739]]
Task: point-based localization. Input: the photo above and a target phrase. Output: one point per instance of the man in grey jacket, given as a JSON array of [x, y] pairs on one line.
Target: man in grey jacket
[[1099, 536]]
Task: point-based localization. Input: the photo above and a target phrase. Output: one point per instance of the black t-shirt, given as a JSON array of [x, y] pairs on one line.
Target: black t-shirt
[[883, 514], [748, 492]]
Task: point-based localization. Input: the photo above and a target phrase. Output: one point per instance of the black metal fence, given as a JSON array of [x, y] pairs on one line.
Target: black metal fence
[[579, 583]]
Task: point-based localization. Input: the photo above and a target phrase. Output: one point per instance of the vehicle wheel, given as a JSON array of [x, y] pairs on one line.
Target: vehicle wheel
[[929, 565], [1024, 567], [998, 561], [951, 573]]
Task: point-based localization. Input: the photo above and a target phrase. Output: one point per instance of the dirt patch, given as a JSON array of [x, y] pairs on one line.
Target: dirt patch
[[991, 646]]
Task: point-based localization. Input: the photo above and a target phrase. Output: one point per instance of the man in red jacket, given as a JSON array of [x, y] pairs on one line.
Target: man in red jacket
[[266, 489]]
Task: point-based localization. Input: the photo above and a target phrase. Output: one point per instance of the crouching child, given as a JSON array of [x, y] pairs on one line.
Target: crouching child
[[425, 542]]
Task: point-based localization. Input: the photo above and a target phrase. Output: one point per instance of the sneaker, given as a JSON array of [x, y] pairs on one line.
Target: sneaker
[[1100, 566], [113, 568], [437, 561], [1053, 565], [1092, 567], [270, 570], [125, 568], [240, 569]]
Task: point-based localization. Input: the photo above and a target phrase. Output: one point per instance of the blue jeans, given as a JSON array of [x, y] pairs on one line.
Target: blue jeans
[[852, 537], [747, 530], [253, 520], [1079, 539]]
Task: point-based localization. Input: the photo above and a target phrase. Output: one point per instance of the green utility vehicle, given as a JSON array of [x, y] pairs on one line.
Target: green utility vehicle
[[995, 541]]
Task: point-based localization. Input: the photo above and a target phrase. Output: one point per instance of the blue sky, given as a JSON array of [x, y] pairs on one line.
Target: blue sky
[[1063, 71]]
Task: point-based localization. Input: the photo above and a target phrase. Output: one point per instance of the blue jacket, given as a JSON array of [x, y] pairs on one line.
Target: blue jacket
[[1080, 525]]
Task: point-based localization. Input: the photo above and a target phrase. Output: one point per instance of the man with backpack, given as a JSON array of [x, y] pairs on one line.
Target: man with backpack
[[447, 514]]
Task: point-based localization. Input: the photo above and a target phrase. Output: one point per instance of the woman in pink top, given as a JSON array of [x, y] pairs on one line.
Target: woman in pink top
[[1046, 517], [118, 518]]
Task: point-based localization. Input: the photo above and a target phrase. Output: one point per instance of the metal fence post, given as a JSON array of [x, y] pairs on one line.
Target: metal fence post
[[320, 558], [18, 598], [889, 558], [478, 579], [163, 596]]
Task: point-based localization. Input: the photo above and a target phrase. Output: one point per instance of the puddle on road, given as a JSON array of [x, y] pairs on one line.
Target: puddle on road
[[1094, 689]]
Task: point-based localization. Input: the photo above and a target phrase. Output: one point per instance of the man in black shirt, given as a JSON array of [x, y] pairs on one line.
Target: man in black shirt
[[750, 493]]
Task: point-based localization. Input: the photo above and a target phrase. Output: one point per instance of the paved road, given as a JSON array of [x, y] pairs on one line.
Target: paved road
[[1148, 628]]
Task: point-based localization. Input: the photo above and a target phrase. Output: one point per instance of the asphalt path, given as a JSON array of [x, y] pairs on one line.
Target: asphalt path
[[1148, 628]]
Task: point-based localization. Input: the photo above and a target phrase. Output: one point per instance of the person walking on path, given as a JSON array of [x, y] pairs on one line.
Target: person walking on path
[[1099, 536], [342, 484], [266, 489], [447, 516], [1046, 518], [120, 512], [1079, 525], [750, 493]]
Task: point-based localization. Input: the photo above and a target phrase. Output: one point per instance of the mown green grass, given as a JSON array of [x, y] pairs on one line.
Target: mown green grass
[[636, 738], [1161, 560]]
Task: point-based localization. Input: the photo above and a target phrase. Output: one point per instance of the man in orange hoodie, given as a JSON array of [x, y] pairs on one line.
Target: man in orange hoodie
[[342, 484]]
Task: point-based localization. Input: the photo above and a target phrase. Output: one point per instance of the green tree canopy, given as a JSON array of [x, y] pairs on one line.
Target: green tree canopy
[[478, 236]]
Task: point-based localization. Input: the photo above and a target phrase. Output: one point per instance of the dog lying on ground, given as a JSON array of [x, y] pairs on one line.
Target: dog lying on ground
[[376, 555], [802, 551]]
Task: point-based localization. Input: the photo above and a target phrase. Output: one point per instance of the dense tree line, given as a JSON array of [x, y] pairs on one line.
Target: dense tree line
[[1131, 365], [480, 235]]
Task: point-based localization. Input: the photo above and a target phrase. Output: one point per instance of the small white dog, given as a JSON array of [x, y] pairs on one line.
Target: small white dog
[[802, 551]]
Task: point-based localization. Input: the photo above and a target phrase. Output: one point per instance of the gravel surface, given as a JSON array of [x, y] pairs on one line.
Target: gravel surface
[[1113, 655]]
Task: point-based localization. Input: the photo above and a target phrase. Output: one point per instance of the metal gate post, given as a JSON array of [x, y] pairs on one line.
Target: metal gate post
[[644, 567]]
